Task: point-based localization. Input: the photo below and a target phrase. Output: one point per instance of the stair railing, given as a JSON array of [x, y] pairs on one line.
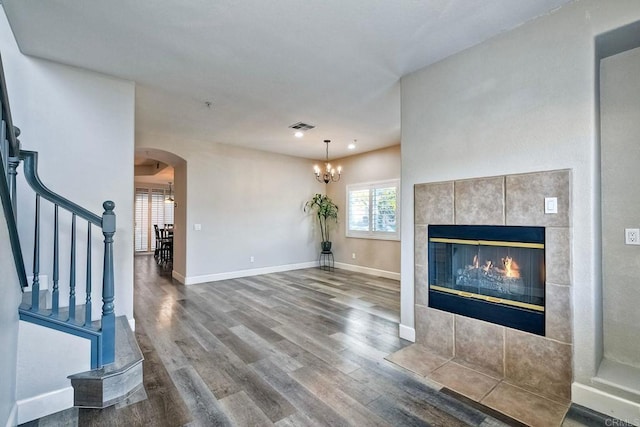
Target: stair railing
[[9, 159], [107, 224], [100, 333]]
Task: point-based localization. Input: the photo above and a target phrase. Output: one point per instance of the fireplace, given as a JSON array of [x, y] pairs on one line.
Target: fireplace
[[491, 273]]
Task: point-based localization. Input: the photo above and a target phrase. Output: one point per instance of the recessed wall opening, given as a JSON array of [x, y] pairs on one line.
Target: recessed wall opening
[[491, 273]]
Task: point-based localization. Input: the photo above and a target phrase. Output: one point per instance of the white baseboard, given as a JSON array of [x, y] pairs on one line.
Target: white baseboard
[[407, 333], [192, 280], [179, 277], [13, 416], [606, 403], [44, 404], [366, 270]]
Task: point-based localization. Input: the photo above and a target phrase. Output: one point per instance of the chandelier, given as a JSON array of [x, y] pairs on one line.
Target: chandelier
[[329, 174]]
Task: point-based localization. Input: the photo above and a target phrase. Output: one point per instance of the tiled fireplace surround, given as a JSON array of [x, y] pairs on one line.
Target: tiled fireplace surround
[[505, 356]]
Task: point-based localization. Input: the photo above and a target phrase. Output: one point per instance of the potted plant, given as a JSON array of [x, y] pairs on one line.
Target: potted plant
[[327, 212]]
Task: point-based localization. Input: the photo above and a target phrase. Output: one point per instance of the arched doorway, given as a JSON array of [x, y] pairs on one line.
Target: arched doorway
[[160, 198]]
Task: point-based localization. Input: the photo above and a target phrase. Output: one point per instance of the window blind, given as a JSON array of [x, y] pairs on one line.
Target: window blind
[[150, 210], [373, 210], [141, 226]]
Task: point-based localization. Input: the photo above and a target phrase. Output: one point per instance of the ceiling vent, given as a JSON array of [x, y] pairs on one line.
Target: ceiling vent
[[301, 126]]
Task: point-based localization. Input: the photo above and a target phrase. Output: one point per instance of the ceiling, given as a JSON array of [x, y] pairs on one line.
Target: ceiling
[[148, 169], [264, 65]]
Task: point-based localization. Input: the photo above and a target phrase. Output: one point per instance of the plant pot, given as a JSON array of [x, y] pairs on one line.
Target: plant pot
[[326, 246]]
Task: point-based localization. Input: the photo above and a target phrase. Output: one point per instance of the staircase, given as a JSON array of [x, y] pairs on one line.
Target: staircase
[[74, 238]]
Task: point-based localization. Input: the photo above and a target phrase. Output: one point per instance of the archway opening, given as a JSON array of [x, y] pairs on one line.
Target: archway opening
[[160, 208]]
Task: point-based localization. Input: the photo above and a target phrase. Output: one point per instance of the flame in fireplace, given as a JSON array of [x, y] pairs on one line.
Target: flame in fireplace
[[488, 264], [511, 268], [501, 275]]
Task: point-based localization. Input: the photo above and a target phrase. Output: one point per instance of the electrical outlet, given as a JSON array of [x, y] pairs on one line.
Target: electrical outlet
[[353, 255], [632, 236], [251, 259]]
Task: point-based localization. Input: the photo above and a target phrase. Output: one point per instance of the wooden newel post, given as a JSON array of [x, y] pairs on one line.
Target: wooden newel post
[[108, 315]]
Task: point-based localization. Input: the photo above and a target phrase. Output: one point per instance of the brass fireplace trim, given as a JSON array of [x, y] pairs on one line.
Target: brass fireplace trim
[[488, 298], [488, 243]]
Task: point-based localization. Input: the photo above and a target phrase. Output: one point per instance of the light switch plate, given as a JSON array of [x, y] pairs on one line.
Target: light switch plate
[[197, 227], [551, 205]]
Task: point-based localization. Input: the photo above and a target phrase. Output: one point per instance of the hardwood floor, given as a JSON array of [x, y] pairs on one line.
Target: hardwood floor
[[301, 348]]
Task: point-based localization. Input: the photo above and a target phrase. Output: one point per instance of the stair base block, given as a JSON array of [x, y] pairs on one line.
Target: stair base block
[[113, 383]]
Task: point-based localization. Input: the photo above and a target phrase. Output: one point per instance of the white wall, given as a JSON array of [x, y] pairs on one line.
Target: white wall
[[180, 219], [82, 124], [620, 107], [521, 102], [44, 363], [248, 203], [379, 255]]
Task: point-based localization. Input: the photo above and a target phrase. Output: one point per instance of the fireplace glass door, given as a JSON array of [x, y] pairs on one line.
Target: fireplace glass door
[[494, 273]]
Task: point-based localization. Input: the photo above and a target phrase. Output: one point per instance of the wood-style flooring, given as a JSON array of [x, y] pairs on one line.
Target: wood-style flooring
[[300, 348]]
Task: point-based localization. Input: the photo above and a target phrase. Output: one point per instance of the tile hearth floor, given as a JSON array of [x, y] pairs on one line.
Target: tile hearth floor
[[494, 393]]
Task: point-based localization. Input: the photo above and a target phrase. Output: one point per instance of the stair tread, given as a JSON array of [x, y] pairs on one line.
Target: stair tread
[[128, 354], [26, 296]]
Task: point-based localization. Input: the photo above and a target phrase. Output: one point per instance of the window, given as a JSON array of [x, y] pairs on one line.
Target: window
[[150, 210], [374, 210]]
